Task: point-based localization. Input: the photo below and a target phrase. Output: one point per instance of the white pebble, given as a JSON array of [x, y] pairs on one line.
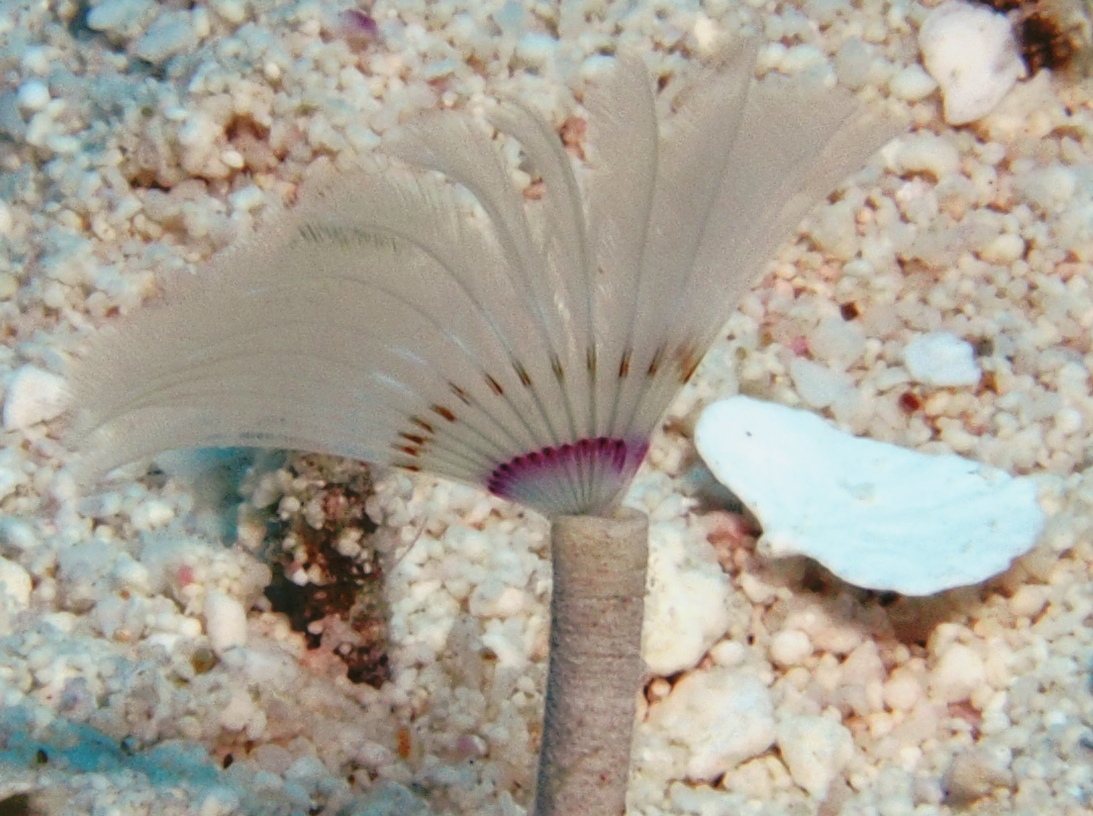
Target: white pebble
[[827, 12], [536, 49], [720, 716], [729, 653], [1049, 188], [33, 95], [170, 34], [974, 774], [959, 672], [1028, 601], [132, 575], [238, 711], [116, 16], [686, 609], [248, 198], [902, 690], [37, 59], [706, 34], [232, 158], [1069, 421], [33, 396], [151, 514], [801, 58], [815, 749], [828, 632], [789, 647], [234, 11], [928, 153], [18, 534], [12, 474], [818, 385], [595, 66], [1003, 249], [492, 599], [225, 621], [837, 342], [941, 359], [972, 53], [912, 84], [15, 585]]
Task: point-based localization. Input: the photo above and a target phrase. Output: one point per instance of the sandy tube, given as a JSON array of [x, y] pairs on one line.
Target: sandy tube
[[595, 664]]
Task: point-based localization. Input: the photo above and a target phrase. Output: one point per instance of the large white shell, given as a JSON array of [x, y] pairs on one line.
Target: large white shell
[[877, 515]]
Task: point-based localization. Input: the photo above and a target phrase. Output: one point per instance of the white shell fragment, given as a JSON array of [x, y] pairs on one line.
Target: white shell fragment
[[877, 515], [972, 53]]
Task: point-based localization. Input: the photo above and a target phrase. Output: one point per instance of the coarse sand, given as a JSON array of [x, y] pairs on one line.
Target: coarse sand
[[143, 667]]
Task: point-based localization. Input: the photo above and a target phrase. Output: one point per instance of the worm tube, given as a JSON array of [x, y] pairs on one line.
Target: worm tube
[[596, 668]]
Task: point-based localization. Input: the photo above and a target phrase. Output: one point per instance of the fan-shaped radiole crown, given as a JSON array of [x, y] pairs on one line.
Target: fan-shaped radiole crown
[[420, 312]]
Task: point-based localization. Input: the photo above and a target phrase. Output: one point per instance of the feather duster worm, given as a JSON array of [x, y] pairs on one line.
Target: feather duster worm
[[530, 348]]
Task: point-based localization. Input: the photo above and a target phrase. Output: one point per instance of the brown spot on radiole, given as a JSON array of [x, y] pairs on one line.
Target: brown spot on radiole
[[442, 411], [654, 365], [556, 367], [624, 364], [464, 397], [522, 373]]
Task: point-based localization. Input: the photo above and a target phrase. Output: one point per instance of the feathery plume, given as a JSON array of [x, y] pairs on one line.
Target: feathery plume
[[528, 347]]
